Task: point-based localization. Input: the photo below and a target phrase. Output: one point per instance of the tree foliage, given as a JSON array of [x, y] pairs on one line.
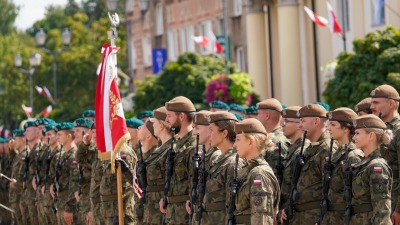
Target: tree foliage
[[8, 12], [375, 61]]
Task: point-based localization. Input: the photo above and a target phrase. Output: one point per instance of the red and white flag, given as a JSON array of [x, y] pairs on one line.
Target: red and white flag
[[319, 20], [201, 40], [111, 130], [333, 23], [45, 92], [215, 45], [1, 129], [27, 110], [47, 110]]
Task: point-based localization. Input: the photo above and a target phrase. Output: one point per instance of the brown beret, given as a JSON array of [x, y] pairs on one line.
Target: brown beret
[[290, 112], [385, 91], [149, 126], [201, 118], [271, 103], [312, 110], [250, 125], [342, 114], [363, 105], [160, 113], [369, 121], [220, 116], [180, 104]]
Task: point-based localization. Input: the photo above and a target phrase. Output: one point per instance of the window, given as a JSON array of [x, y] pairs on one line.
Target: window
[[147, 57], [378, 12], [241, 59], [187, 43], [159, 20], [343, 14], [129, 6], [172, 45], [133, 53], [206, 30], [237, 8]]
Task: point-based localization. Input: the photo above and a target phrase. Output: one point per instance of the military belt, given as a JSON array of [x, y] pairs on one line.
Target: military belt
[[155, 188], [108, 198], [362, 208], [95, 200], [243, 219], [212, 207], [337, 207], [177, 199], [307, 206]]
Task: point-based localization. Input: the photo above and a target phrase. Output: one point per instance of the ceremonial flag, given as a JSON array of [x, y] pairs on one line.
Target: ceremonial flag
[[47, 110], [27, 110], [201, 40], [111, 130], [1, 129], [333, 23], [40, 90], [319, 20], [45, 92]]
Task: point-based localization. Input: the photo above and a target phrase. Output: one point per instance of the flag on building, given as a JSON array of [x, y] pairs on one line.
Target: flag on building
[[319, 20], [215, 45], [333, 23], [27, 110], [201, 40], [111, 130], [47, 110]]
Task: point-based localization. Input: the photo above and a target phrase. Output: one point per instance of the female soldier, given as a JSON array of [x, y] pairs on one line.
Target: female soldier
[[372, 181], [341, 129], [156, 168], [222, 136], [258, 193]]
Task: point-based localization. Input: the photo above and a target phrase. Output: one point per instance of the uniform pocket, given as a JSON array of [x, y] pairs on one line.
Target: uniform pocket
[[181, 170]]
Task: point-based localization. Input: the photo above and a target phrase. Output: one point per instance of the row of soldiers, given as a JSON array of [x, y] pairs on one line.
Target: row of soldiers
[[297, 165]]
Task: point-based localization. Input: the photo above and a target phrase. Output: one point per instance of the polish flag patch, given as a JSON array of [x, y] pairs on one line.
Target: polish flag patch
[[23, 158], [200, 153], [378, 169], [327, 159], [276, 149], [75, 162], [123, 156], [257, 182]]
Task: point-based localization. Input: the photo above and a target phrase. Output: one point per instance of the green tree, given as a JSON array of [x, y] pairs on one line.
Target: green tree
[[187, 77], [375, 61], [8, 12]]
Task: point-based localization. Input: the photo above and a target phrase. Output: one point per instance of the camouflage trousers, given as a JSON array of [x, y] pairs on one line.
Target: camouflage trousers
[[31, 208], [395, 194], [176, 213], [152, 213], [333, 218], [61, 220], [49, 215], [84, 207], [24, 213], [217, 217], [97, 219], [17, 216], [309, 217]]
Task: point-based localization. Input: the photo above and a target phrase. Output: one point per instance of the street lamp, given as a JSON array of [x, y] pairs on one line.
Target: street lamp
[[40, 40], [112, 5], [34, 62]]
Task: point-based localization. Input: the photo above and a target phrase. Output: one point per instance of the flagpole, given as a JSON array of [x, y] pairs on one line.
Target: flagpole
[[112, 35], [344, 7]]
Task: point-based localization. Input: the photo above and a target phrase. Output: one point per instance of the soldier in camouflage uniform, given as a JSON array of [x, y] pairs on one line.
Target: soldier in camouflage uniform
[[145, 115], [309, 187], [31, 134], [51, 159], [156, 162], [85, 160], [180, 112], [363, 107], [257, 197], [373, 178], [16, 147], [201, 127], [269, 114], [385, 104], [235, 108], [222, 136], [6, 170], [88, 114], [67, 213], [341, 129], [216, 106], [251, 112]]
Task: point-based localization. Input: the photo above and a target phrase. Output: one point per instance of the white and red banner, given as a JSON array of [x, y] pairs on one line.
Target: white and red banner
[[111, 130], [45, 92], [47, 110], [319, 20], [27, 110], [333, 23], [201, 40]]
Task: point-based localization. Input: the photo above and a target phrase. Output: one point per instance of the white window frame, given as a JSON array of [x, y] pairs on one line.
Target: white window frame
[[237, 8], [205, 29], [183, 41], [378, 12], [159, 19], [346, 23], [241, 58], [172, 40], [147, 55], [190, 47], [133, 54]]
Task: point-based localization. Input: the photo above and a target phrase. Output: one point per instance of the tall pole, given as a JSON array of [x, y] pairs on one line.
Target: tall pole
[[30, 74], [225, 33], [315, 43], [344, 11], [54, 53], [130, 56]]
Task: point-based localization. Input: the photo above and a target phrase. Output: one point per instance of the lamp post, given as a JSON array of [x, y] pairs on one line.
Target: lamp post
[[34, 62], [112, 5], [40, 40]]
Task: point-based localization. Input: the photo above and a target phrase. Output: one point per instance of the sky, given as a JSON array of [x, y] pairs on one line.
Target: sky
[[32, 11]]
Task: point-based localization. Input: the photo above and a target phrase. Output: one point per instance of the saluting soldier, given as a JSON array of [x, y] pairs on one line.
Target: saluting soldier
[[156, 161], [222, 136], [269, 114], [341, 129], [385, 104], [258, 193], [85, 160], [180, 113], [373, 178]]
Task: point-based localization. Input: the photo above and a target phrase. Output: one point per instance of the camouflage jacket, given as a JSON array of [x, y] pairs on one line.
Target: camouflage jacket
[[40, 164], [258, 195], [21, 169], [272, 156], [33, 156], [68, 181], [14, 193], [52, 159], [372, 184]]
